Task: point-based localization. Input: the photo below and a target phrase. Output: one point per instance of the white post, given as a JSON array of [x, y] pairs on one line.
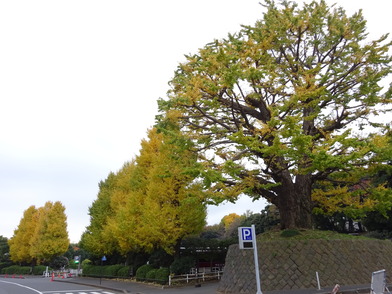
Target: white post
[[256, 260], [318, 281]]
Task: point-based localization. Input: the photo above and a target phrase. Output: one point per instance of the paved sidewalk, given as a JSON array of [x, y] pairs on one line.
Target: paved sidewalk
[[205, 288]]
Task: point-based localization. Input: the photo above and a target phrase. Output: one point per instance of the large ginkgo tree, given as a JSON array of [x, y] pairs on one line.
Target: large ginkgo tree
[[285, 104]]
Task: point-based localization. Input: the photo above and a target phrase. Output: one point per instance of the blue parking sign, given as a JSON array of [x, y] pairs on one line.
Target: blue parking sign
[[246, 234]]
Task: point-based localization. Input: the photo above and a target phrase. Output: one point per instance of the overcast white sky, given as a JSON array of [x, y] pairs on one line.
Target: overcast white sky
[[79, 82]]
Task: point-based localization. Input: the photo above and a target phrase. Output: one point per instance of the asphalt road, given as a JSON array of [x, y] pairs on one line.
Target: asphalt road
[[46, 286], [78, 285], [131, 287], [34, 285]]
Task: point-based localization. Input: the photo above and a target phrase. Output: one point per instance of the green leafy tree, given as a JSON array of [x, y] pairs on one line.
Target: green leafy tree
[[213, 232], [268, 219], [92, 239], [4, 249], [282, 105], [381, 220]]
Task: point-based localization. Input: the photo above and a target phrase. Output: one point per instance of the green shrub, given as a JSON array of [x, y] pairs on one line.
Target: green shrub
[[162, 275], [93, 270], [109, 271], [150, 276], [182, 265], [59, 262], [17, 270], [124, 272], [39, 269], [112, 270], [86, 262], [5, 264], [142, 271]]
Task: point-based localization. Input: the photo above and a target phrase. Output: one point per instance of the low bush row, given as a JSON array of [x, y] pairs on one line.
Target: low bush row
[[148, 273], [23, 270], [107, 271]]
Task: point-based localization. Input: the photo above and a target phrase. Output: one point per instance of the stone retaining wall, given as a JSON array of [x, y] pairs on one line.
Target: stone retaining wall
[[293, 264]]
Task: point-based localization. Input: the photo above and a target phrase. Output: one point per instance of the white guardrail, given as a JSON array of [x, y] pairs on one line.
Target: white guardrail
[[197, 276]]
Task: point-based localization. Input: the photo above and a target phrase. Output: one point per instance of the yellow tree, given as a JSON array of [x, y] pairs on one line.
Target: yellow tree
[[154, 203], [175, 203], [50, 238], [20, 242], [126, 206], [231, 222], [229, 219]]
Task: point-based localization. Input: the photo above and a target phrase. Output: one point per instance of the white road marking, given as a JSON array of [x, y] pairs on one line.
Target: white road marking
[[23, 286], [74, 291], [77, 292], [59, 292]]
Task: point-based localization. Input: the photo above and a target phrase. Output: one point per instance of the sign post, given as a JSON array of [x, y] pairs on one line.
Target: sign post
[[102, 260], [247, 240], [77, 260]]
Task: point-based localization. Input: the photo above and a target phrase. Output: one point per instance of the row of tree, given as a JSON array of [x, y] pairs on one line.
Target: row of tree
[[151, 202], [285, 110], [41, 234]]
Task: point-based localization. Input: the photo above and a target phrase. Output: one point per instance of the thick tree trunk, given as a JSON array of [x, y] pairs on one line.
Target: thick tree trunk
[[295, 205]]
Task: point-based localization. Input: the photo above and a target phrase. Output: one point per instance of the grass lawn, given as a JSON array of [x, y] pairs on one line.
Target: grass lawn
[[306, 235]]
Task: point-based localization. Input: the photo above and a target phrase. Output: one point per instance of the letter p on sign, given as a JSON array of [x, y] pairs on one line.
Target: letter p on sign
[[247, 234]]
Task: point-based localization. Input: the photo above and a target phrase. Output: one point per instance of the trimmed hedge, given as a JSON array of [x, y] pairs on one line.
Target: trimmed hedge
[[93, 270], [162, 275], [39, 269], [112, 270], [150, 276], [124, 272], [142, 271], [24, 270], [16, 270], [4, 265], [155, 275], [107, 271]]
